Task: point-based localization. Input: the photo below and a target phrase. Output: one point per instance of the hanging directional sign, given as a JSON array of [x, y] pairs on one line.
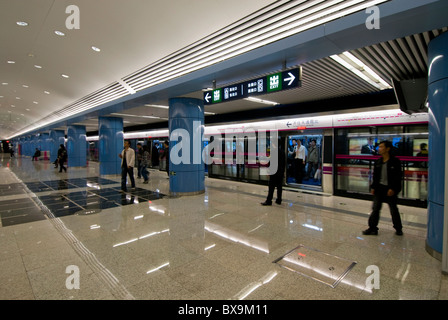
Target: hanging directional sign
[[272, 83]]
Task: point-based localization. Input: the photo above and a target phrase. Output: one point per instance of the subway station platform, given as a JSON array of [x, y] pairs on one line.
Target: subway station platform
[[222, 244]]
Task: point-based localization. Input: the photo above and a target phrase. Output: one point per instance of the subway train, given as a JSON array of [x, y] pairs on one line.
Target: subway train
[[342, 149]]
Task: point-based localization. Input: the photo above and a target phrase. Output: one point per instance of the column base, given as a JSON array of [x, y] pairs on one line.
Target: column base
[[435, 254], [180, 194]]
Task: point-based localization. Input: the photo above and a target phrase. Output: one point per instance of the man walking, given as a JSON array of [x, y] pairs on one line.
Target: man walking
[[387, 177], [127, 165]]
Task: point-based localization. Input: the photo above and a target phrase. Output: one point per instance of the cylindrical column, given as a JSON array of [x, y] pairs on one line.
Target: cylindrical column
[[110, 144], [76, 146], [438, 111], [186, 126]]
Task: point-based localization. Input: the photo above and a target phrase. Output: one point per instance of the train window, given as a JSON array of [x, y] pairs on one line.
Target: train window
[[356, 150], [304, 160]]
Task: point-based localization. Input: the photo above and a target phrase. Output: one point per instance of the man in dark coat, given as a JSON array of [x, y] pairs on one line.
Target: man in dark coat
[[387, 180], [276, 180]]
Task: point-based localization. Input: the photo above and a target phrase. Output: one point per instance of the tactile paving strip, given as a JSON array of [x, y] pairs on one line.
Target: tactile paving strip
[[315, 264]]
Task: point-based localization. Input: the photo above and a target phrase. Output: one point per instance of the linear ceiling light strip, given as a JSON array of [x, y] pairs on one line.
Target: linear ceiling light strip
[[218, 36], [80, 106], [242, 43], [245, 45], [247, 36], [218, 44]]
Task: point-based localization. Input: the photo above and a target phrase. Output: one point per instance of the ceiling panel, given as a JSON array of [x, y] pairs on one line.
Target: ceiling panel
[[130, 34], [399, 59]]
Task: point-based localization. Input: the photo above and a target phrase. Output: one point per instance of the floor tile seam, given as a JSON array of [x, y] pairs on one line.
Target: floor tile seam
[[25, 270], [116, 288]]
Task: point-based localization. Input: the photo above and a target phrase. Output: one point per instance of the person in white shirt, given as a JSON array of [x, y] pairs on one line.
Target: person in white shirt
[[127, 165], [300, 160]]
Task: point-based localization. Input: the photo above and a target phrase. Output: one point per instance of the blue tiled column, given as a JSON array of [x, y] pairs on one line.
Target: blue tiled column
[[110, 144], [76, 146], [186, 122], [57, 137], [22, 146], [438, 111], [44, 145], [34, 144], [26, 146]]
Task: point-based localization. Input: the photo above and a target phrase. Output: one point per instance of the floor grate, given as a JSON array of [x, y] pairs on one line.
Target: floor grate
[[320, 266]]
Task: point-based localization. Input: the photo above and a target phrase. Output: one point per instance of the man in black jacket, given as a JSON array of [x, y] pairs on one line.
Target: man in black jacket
[[387, 176], [276, 180]]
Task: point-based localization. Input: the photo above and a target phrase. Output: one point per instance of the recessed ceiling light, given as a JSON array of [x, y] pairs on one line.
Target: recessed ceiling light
[[17, 98], [35, 102], [96, 49], [59, 33], [65, 76], [22, 23], [11, 61], [27, 109], [46, 92], [13, 106], [25, 86], [37, 66], [5, 83]]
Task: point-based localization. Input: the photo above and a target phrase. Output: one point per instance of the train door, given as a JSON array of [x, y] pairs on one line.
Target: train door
[[304, 159]]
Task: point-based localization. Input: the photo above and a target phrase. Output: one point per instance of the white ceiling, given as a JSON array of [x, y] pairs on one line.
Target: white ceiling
[[135, 34], [131, 34]]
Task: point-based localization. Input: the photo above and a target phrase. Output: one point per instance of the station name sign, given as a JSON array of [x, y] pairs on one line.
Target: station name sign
[[272, 83]]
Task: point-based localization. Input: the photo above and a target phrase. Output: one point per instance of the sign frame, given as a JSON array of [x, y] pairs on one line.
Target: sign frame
[[275, 82]]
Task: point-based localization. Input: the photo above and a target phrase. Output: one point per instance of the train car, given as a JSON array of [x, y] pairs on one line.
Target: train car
[[339, 151]]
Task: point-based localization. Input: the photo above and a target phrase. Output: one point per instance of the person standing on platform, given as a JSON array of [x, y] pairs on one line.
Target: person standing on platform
[[139, 160], [276, 180], [155, 155], [300, 160], [387, 179], [62, 157], [127, 165], [313, 160], [145, 164]]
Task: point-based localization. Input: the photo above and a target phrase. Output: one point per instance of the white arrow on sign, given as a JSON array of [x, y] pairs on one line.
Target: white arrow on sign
[[207, 97], [290, 79]]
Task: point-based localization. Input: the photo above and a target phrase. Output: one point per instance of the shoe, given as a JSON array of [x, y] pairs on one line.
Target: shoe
[[399, 232], [370, 232], [266, 203], [146, 182], [278, 201]]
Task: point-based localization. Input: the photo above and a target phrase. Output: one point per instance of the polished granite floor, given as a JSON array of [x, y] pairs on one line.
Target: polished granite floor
[[59, 230]]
